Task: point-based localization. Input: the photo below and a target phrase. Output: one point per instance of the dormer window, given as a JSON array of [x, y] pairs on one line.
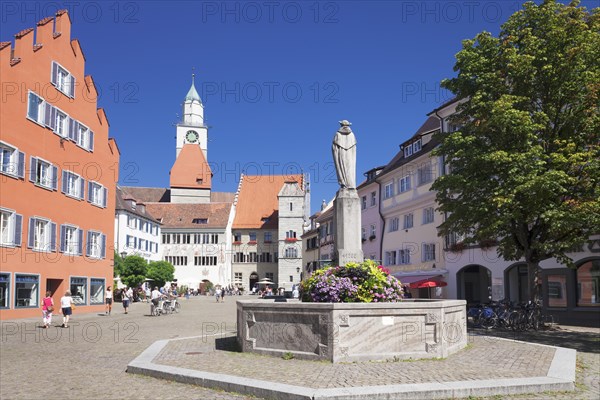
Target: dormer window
[[417, 146], [264, 220], [133, 204], [200, 221], [199, 181], [408, 150]]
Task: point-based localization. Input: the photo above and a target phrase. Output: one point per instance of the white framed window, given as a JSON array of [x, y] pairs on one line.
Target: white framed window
[[36, 108], [389, 190], [425, 174], [96, 244], [42, 234], [372, 232], [131, 222], [63, 79], [10, 228], [373, 199], [71, 240], [82, 136], [404, 184], [270, 275], [237, 277], [61, 125], [417, 146], [403, 256], [394, 224], [364, 202], [428, 215], [43, 173], [12, 161], [291, 252], [363, 233], [408, 150], [73, 185], [408, 221], [390, 258], [97, 194], [428, 251], [290, 234]]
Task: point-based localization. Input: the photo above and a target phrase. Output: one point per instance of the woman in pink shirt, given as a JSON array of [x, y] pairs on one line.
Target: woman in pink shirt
[[47, 309]]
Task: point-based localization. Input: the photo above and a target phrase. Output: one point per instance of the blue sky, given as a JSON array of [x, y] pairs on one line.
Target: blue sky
[[275, 76]]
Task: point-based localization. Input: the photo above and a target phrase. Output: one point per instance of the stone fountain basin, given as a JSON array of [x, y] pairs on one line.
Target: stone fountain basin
[[348, 332]]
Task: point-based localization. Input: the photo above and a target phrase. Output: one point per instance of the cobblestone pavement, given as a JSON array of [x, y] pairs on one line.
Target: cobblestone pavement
[[88, 359], [485, 358]]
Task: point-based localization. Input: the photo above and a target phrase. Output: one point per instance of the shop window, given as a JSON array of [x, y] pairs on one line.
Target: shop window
[[79, 290], [588, 284], [96, 291], [27, 290], [557, 290], [4, 290]]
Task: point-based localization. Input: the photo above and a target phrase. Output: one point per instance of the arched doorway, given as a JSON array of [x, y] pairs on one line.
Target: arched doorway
[[516, 284], [253, 280], [474, 284], [587, 279]]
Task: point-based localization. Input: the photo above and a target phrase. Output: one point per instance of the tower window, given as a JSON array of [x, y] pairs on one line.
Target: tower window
[[291, 206]]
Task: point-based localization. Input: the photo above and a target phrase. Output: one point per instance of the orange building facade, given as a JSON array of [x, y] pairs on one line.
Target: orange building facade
[[58, 174]]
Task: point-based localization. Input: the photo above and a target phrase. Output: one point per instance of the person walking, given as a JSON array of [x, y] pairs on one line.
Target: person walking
[[67, 305], [127, 296], [218, 294], [155, 297], [223, 295], [109, 300], [47, 309]]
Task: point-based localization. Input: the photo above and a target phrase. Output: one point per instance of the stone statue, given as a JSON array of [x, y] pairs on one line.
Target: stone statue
[[344, 155]]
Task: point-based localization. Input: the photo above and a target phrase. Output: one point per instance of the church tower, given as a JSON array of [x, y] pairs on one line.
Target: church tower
[[192, 129], [191, 175]]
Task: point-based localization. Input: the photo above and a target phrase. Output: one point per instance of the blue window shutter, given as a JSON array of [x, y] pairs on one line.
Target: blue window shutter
[[146, 245], [53, 112], [21, 165], [64, 182], [72, 87], [54, 177], [80, 241], [31, 233], [91, 142], [88, 247], [105, 197], [54, 76], [135, 243], [33, 170], [72, 128], [32, 110], [52, 236], [47, 114], [18, 230], [90, 192], [103, 246], [82, 188], [63, 238]]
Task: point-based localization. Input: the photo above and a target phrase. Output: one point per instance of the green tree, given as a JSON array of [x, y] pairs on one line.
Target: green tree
[[118, 265], [133, 272], [524, 165], [161, 272]]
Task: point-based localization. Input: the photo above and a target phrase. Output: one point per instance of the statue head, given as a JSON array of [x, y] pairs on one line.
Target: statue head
[[345, 122]]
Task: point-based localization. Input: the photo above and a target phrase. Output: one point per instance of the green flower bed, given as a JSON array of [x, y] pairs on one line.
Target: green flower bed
[[352, 283]]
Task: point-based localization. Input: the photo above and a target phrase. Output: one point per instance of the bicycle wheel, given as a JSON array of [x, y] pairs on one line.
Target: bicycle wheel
[[156, 311], [177, 307]]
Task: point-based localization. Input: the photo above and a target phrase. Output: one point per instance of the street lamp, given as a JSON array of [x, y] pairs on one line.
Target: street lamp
[[123, 254]]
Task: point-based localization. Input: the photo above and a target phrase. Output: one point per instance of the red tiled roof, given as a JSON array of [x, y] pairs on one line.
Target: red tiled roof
[[257, 200], [191, 169], [23, 33], [123, 204], [174, 215], [61, 12], [45, 21]]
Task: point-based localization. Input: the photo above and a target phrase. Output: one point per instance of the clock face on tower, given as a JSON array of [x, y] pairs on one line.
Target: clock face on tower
[[191, 136]]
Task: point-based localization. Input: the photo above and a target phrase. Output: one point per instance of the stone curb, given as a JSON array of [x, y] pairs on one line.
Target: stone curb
[[560, 377]]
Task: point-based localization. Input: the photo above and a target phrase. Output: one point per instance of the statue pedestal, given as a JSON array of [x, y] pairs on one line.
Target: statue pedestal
[[346, 222]]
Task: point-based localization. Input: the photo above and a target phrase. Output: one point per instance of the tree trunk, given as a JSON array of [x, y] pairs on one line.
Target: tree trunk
[[534, 281]]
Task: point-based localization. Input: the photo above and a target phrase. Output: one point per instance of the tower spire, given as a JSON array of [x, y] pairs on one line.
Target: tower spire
[[192, 94]]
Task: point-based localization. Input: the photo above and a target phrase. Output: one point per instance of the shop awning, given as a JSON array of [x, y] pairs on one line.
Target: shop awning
[[407, 279], [429, 283]]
